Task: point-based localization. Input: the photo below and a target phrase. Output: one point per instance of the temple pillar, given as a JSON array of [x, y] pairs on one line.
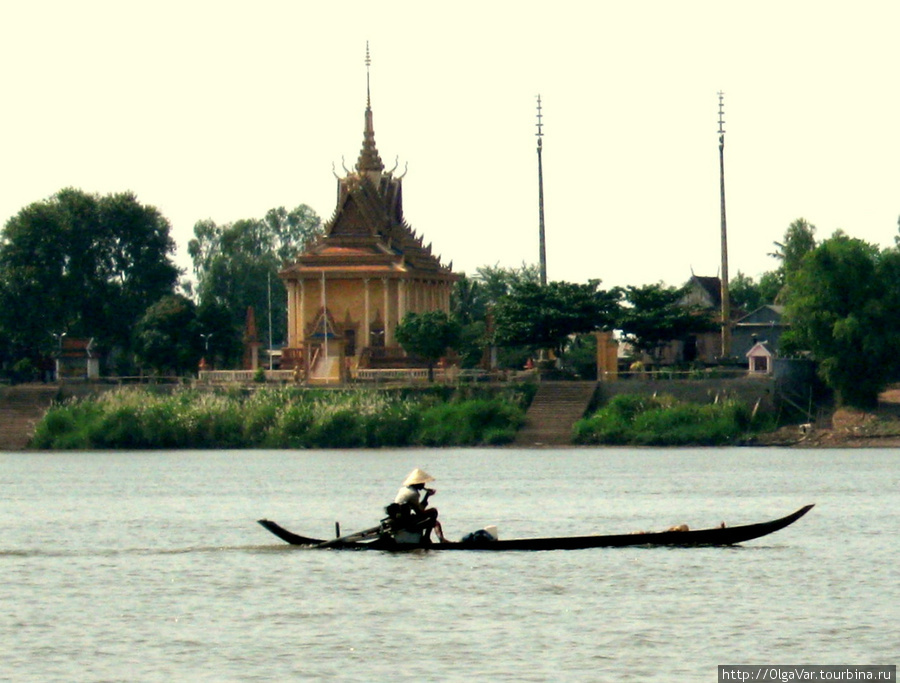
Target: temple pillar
[[367, 315], [300, 332], [388, 328], [402, 299]]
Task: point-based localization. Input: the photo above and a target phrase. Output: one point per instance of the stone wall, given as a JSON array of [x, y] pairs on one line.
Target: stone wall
[[748, 390]]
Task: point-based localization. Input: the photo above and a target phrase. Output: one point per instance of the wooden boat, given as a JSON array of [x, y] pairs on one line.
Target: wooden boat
[[371, 539]]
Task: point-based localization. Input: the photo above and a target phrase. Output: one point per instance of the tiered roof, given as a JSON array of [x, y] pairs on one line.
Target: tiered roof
[[367, 231]]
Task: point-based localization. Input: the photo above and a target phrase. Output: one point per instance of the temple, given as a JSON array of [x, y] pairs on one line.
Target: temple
[[348, 291]]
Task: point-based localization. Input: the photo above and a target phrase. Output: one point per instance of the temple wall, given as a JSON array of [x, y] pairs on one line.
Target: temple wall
[[347, 299]]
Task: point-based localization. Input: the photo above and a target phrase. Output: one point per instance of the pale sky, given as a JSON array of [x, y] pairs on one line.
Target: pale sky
[[224, 110]]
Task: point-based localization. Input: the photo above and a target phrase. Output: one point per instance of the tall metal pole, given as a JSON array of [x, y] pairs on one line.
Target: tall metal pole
[[726, 300], [269, 287], [543, 243]]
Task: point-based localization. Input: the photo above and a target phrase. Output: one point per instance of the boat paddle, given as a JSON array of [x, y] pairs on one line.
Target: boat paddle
[[350, 538]]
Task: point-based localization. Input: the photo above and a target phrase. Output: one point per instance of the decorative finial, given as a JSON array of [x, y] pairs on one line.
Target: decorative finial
[[368, 64], [540, 132], [721, 116], [369, 161]]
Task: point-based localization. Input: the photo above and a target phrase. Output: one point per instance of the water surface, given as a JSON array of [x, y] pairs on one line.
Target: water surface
[[149, 566]]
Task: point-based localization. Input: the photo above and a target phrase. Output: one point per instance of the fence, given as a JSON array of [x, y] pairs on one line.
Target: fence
[[216, 376]]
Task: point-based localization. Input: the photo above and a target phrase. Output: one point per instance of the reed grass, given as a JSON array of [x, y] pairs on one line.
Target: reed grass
[[665, 421], [283, 418]]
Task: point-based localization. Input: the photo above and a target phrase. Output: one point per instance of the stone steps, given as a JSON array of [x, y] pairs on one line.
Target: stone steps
[[556, 407], [21, 407]]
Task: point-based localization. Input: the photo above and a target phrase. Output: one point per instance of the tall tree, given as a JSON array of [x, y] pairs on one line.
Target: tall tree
[[544, 316], [844, 305], [82, 264], [799, 239], [746, 293], [654, 315], [497, 282], [472, 302], [167, 337], [237, 264], [428, 335]]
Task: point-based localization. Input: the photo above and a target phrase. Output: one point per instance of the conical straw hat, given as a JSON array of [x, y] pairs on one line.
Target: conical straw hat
[[417, 476]]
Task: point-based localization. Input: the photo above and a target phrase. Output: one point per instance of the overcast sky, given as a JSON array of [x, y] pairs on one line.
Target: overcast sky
[[224, 110]]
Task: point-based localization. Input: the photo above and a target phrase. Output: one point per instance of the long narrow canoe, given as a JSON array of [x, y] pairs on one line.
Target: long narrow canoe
[[701, 537]]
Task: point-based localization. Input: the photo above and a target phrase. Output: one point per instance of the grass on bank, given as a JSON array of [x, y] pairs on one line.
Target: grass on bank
[[665, 421], [286, 418]]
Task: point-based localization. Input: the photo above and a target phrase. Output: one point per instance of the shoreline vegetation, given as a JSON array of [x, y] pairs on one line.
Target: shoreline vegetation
[[630, 420], [437, 416], [285, 418], [472, 415]]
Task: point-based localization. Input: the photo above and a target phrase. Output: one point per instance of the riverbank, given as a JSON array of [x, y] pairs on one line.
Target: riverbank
[[23, 406], [846, 428]]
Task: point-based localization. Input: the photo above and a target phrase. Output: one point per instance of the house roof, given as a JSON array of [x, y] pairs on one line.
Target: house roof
[[767, 315], [73, 347], [760, 349], [711, 288]]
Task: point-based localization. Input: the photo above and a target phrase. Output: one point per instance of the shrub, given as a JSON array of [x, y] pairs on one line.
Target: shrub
[[290, 427], [467, 422], [663, 421], [66, 426]]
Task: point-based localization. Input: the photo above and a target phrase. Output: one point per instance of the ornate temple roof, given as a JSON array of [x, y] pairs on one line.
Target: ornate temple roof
[[367, 231]]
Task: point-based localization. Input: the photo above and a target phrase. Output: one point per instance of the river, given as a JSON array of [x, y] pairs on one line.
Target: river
[[149, 566]]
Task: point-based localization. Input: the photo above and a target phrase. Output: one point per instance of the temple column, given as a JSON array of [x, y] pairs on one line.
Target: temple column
[[388, 329], [300, 332], [402, 299], [366, 315]]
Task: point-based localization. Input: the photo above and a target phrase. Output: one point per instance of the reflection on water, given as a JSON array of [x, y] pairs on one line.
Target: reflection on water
[[150, 566]]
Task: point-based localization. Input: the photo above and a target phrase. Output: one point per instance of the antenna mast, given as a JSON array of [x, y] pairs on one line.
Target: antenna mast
[[726, 300], [543, 243]]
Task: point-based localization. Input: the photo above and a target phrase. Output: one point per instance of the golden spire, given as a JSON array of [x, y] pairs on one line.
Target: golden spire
[[369, 160]]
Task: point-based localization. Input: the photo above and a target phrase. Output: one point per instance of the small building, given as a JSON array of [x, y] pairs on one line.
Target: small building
[[348, 292], [766, 322], [76, 359], [761, 359]]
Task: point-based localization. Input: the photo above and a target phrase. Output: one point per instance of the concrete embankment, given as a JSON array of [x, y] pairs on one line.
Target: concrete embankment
[[21, 407]]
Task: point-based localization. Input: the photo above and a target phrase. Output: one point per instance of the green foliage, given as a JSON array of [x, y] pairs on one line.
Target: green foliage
[[82, 264], [770, 284], [843, 305], [428, 336], [283, 418], [655, 315], [545, 316], [472, 422], [663, 421], [467, 300], [746, 293], [237, 264], [799, 240], [496, 282], [472, 302], [580, 357], [222, 335], [167, 336]]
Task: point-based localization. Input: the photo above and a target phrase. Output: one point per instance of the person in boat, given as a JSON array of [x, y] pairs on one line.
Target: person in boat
[[411, 512]]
